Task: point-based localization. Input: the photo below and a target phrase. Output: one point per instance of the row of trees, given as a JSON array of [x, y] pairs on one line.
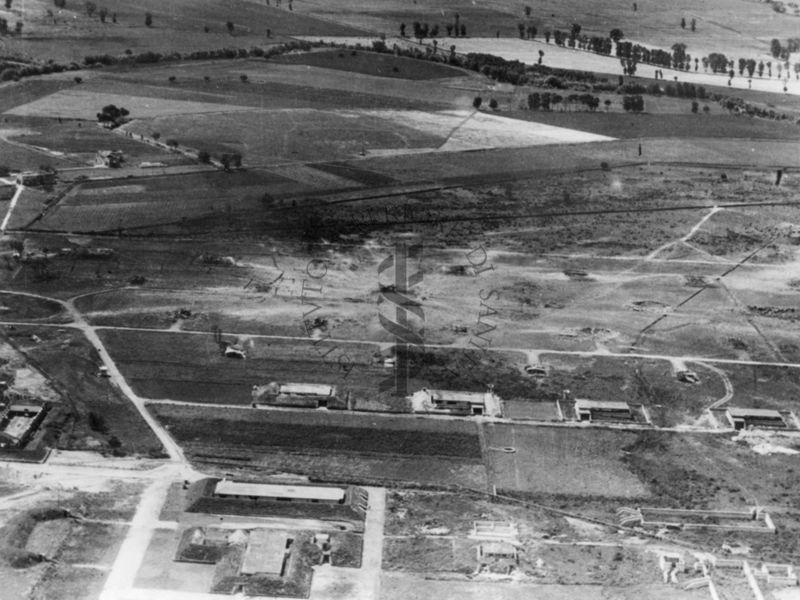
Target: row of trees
[[421, 31], [546, 101], [782, 52], [5, 30], [12, 71], [633, 103]]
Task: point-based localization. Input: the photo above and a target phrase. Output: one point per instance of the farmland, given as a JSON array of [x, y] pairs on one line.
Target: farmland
[[306, 201], [322, 432]]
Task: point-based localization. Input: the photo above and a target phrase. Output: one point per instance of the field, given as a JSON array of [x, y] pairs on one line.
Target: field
[[615, 250], [382, 66], [70, 363], [320, 432], [562, 461]]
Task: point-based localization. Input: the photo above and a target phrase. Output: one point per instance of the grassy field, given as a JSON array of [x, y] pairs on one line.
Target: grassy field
[[384, 65], [126, 203], [70, 363], [658, 125], [180, 27], [317, 431], [562, 461], [722, 26], [22, 308]]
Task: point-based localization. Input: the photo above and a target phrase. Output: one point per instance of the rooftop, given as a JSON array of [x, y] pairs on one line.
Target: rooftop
[[760, 413], [310, 389], [266, 551], [601, 405], [454, 396], [269, 490]]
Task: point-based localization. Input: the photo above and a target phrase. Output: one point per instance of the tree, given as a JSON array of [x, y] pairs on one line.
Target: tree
[[678, 54], [706, 110], [742, 66], [493, 104], [97, 423], [775, 48], [434, 30], [103, 13], [243, 77], [531, 32], [607, 102], [694, 24], [225, 159], [236, 159], [695, 106], [534, 101], [476, 102], [449, 29], [18, 27], [683, 23], [112, 116], [60, 3], [204, 157], [797, 70], [79, 80], [751, 67], [90, 7], [113, 17], [616, 35], [527, 11], [172, 78], [546, 36], [148, 20], [463, 30], [761, 68], [521, 27], [718, 62], [230, 27], [8, 4]]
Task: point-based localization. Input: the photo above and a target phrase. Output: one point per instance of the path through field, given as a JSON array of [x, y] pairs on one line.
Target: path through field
[[12, 204]]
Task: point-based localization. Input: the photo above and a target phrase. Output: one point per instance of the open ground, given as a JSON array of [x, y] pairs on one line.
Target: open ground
[[253, 234]]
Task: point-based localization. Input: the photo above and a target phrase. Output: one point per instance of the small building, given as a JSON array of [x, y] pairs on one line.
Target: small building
[[36, 178], [497, 557], [746, 418], [304, 395], [234, 351], [18, 422], [601, 410], [456, 403], [266, 553], [112, 159]]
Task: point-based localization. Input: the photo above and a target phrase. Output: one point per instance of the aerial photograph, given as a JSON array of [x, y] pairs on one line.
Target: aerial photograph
[[399, 299]]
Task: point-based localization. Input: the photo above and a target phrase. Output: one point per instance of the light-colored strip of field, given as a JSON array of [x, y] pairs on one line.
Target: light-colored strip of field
[[527, 51], [468, 130], [314, 177], [78, 104]]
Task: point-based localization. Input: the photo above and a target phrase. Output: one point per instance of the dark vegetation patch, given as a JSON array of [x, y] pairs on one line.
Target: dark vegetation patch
[[370, 63], [321, 432], [627, 126]]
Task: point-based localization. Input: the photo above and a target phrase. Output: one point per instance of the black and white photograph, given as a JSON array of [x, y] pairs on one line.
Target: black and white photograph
[[399, 299]]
